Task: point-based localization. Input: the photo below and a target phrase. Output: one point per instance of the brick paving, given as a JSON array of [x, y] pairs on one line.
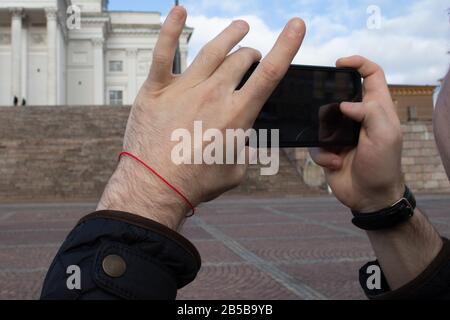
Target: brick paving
[[252, 248]]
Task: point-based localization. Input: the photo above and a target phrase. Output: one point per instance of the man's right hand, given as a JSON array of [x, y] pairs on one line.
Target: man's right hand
[[205, 92], [369, 177]]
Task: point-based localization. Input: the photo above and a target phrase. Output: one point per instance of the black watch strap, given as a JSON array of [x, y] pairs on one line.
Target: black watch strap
[[398, 213]]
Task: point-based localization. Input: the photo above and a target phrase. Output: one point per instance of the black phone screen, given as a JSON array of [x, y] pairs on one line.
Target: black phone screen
[[305, 107]]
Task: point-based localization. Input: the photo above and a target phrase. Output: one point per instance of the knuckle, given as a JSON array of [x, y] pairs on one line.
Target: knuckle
[[210, 55], [377, 68], [361, 60], [243, 58], [270, 72], [212, 93], [167, 33], [251, 53], [160, 59]]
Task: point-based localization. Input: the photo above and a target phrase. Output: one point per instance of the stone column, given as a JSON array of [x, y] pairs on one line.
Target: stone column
[[16, 53], [132, 75], [99, 71], [24, 63], [184, 59], [51, 14]]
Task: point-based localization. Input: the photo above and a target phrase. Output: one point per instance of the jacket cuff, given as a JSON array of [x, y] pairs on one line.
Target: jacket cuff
[[121, 255], [432, 283], [147, 224]]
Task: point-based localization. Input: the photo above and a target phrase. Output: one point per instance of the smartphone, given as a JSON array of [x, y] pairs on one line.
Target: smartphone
[[305, 107]]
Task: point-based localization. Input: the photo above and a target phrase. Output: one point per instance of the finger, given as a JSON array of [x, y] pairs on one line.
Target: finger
[[235, 66], [272, 69], [371, 115], [164, 53], [326, 159], [214, 53], [375, 85], [369, 70]]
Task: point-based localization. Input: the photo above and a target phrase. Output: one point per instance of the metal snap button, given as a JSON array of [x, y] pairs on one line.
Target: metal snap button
[[114, 266]]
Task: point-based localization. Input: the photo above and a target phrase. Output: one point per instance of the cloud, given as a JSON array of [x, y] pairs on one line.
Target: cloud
[[411, 47], [223, 6], [260, 37]]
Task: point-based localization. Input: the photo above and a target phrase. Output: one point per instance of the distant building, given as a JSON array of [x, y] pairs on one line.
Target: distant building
[[413, 102], [46, 63], [43, 62]]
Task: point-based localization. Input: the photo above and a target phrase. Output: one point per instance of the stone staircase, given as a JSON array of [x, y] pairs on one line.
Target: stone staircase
[[69, 153], [287, 182]]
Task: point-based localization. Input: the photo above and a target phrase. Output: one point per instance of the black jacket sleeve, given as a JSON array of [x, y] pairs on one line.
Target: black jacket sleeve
[[432, 283], [121, 256]]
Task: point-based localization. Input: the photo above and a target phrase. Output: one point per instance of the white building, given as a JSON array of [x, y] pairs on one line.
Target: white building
[[45, 61]]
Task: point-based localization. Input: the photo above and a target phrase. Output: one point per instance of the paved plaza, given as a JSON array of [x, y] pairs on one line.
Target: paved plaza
[[251, 248]]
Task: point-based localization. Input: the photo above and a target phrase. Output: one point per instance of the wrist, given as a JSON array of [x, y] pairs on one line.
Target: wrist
[[379, 200], [132, 188], [407, 250]]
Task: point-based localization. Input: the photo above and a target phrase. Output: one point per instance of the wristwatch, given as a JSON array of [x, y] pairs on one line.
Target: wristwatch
[[398, 213]]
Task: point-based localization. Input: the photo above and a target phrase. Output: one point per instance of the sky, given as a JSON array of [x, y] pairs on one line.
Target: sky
[[409, 39]]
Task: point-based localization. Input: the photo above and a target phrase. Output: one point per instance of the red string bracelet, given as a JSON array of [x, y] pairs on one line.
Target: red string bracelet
[[162, 179]]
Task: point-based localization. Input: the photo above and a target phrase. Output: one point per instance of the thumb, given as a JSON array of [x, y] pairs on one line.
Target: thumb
[[369, 114]]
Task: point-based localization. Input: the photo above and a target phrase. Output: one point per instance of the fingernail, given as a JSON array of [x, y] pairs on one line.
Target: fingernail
[[177, 13], [295, 27], [240, 24]]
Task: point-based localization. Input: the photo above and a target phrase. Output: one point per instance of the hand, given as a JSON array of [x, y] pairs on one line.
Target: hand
[[441, 120], [206, 92], [369, 177]]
